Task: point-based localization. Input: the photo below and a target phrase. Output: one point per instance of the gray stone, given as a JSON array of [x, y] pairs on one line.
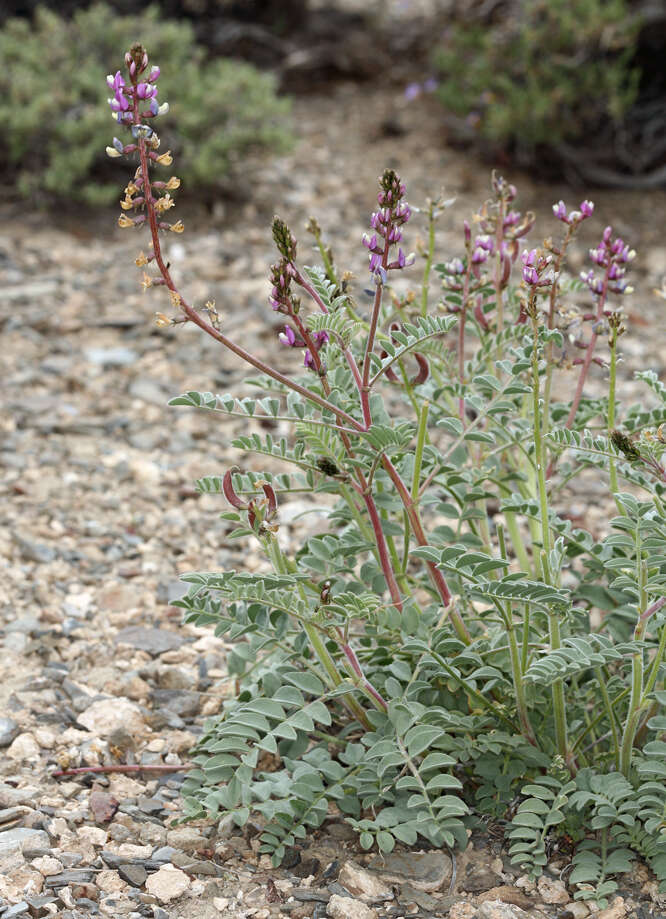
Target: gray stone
[[34, 551], [110, 357], [164, 854], [424, 870], [20, 909], [150, 805], [134, 874], [28, 625], [153, 641], [181, 702], [149, 391], [197, 865], [73, 876], [37, 906], [21, 837], [9, 729]]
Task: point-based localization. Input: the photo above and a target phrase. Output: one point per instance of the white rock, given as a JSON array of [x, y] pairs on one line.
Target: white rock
[[552, 891], [45, 738], [130, 850], [93, 834], [21, 837], [25, 747], [187, 838], [526, 883], [110, 881], [47, 865], [104, 717], [617, 910], [168, 883], [362, 883], [578, 909], [220, 903], [496, 909], [348, 908]]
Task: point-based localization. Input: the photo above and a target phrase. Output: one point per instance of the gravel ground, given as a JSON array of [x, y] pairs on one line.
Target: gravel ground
[[99, 517]]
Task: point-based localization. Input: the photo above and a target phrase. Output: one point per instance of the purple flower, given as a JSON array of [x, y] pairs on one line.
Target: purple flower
[[587, 208], [560, 211], [119, 103], [455, 266], [412, 91], [529, 258], [115, 82], [288, 337], [530, 275], [146, 91], [430, 85]]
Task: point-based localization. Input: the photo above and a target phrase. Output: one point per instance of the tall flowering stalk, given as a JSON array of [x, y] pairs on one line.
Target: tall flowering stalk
[[613, 256], [147, 200]]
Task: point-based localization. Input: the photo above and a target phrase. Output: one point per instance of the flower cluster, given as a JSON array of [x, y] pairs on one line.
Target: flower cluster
[[126, 98], [281, 299], [586, 209], [386, 222], [127, 108], [535, 264], [613, 256], [291, 340]]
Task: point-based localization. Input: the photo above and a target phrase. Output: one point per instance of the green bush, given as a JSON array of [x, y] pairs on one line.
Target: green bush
[[53, 90], [548, 72]]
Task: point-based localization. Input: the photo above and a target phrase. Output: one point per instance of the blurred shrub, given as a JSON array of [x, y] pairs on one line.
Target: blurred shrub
[[542, 72], [55, 117]]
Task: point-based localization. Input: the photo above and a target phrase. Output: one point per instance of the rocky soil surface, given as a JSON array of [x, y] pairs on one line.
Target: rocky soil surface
[[99, 517]]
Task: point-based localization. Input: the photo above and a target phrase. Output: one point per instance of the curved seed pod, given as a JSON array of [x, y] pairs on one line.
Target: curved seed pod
[[424, 370], [228, 489], [389, 373], [270, 498], [480, 317]]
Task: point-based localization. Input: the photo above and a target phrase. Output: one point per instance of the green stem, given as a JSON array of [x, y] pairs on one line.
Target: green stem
[[559, 709], [516, 669], [637, 668], [656, 664], [474, 693], [611, 715], [581, 737], [317, 643]]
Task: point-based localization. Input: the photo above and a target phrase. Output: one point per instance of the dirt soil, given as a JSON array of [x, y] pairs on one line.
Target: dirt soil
[[99, 518]]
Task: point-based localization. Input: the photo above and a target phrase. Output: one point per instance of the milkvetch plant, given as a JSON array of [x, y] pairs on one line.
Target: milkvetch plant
[[451, 647]]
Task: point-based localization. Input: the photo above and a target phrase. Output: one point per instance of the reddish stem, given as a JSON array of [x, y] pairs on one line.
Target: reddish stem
[[436, 575], [355, 665], [589, 353]]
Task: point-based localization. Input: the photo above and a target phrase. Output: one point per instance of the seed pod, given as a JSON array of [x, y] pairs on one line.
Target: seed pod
[[424, 370], [228, 489]]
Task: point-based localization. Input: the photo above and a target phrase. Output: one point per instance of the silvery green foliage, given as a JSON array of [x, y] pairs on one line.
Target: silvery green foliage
[[466, 731]]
